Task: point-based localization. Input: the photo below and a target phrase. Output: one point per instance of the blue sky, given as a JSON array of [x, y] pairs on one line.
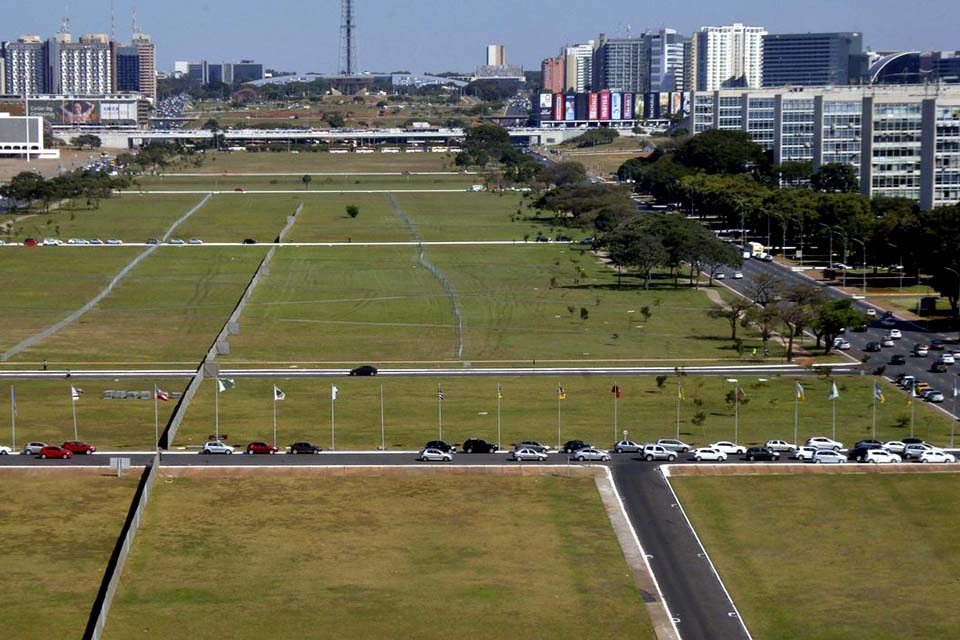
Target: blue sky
[[437, 35]]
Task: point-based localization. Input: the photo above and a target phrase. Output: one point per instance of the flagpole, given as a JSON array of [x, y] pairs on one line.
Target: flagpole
[[13, 418], [953, 420], [912, 391], [796, 417], [834, 403], [333, 422], [73, 407], [156, 419], [874, 429], [439, 413], [383, 439], [498, 416], [558, 419], [216, 409], [736, 413], [274, 415], [616, 414], [678, 408]]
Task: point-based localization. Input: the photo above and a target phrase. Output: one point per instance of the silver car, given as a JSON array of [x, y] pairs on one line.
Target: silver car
[[829, 456], [627, 446], [434, 455], [590, 453], [674, 445], [523, 454], [33, 448]]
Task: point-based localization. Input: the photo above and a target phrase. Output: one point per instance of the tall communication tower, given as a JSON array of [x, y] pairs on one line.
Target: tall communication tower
[[348, 46]]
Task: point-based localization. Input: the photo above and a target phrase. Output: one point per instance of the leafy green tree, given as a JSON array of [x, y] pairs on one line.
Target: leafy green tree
[[353, 210], [335, 120], [306, 179], [722, 151], [632, 246], [733, 312], [836, 177], [563, 173], [595, 137], [794, 174], [483, 144], [830, 317]]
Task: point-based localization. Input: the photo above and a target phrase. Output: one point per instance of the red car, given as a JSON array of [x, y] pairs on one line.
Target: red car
[[30, 242], [79, 447], [261, 447], [55, 452]]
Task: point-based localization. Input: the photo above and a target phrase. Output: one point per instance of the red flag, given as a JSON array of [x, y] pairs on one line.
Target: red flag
[[615, 390], [163, 395]]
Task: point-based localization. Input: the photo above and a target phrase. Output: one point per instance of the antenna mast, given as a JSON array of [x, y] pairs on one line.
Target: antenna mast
[[348, 46]]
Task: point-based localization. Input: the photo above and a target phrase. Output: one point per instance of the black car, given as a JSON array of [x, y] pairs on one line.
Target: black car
[[870, 442], [760, 453], [860, 328], [542, 239], [440, 444], [873, 346], [249, 241], [531, 444], [859, 451], [152, 241], [575, 445], [898, 359], [938, 367], [304, 447], [478, 445], [936, 345], [365, 370], [563, 239]]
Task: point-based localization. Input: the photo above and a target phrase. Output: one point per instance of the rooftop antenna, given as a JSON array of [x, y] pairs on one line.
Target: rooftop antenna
[[65, 21], [348, 46], [136, 27], [113, 22]]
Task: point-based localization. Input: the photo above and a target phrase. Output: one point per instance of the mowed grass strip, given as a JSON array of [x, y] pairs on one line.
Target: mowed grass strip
[[234, 218], [870, 556], [44, 412], [245, 162], [473, 216], [166, 310], [58, 532], [215, 182], [528, 410], [131, 218], [377, 557], [43, 285], [325, 219]]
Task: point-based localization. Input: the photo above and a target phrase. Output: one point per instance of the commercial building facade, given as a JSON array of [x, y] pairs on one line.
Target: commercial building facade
[[813, 59], [552, 74], [621, 64], [902, 141], [25, 65], [729, 56], [496, 55]]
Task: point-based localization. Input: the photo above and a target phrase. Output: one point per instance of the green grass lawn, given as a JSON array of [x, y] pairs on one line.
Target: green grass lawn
[[472, 216], [279, 556], [871, 556], [529, 411], [45, 284], [166, 310], [44, 413], [58, 532], [232, 218], [215, 182], [324, 219], [130, 218], [245, 162]]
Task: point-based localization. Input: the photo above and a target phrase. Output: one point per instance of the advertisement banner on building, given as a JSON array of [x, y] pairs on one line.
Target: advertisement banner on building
[[676, 103], [570, 107], [66, 112], [663, 102], [558, 106], [604, 105], [650, 106], [593, 111], [546, 106], [616, 106], [582, 106], [628, 106]]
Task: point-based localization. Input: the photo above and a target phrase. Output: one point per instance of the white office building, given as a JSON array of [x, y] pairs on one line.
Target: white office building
[[578, 67], [81, 68], [730, 56]]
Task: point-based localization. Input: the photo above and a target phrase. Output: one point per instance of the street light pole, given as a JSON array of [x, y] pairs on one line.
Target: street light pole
[[899, 263], [862, 244], [830, 235], [845, 265]]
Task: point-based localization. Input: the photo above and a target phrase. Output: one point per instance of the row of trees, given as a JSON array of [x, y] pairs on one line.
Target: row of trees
[[84, 185]]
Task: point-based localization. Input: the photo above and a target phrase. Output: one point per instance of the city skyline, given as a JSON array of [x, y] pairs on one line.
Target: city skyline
[[391, 38]]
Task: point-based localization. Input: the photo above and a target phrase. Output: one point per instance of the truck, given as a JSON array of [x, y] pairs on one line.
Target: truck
[[756, 249]]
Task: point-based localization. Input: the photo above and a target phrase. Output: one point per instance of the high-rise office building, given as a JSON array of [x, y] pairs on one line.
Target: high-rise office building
[[25, 65], [496, 55], [147, 65], [666, 49], [813, 59], [126, 69], [81, 68], [729, 56], [621, 64], [226, 72], [578, 66], [551, 70]]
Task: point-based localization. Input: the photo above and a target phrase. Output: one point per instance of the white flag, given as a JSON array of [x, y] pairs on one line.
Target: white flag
[[75, 393], [278, 394], [223, 384], [834, 393], [333, 392]]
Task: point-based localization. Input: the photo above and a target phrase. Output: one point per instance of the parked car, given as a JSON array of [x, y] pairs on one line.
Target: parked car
[[869, 443], [33, 448], [720, 276], [805, 454], [531, 444], [176, 241], [859, 453], [933, 395], [304, 447], [364, 370], [872, 347], [575, 445], [871, 312], [195, 241], [828, 456], [937, 456], [653, 452], [822, 442], [478, 445], [674, 445], [937, 344], [590, 453], [755, 454], [96, 241], [881, 456], [440, 444], [261, 448], [30, 242], [887, 341], [894, 446], [152, 241], [738, 275], [114, 241], [888, 320], [729, 448], [780, 446], [4, 450], [938, 367], [708, 454], [52, 242], [249, 241], [217, 446], [840, 344], [627, 446], [909, 441], [434, 455], [75, 446], [56, 453], [525, 453], [915, 450]]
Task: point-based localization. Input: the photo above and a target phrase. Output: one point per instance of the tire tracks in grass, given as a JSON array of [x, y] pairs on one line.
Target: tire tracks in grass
[[30, 341], [448, 287]]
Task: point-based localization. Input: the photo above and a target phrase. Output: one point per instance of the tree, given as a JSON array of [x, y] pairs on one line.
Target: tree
[[765, 319], [835, 177], [483, 144], [633, 246], [306, 179], [334, 120], [722, 151], [794, 174], [353, 210], [763, 288], [595, 137], [563, 173], [832, 316], [733, 312]]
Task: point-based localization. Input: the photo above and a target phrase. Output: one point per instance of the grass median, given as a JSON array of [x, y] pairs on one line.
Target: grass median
[[58, 532], [869, 556], [377, 557], [352, 163], [215, 182]]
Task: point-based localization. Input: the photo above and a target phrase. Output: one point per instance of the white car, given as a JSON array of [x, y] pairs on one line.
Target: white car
[[805, 454], [822, 442], [96, 241], [177, 241], [720, 276], [590, 453], [896, 334], [729, 448], [51, 242], [894, 446], [627, 446], [114, 241], [828, 456], [841, 344], [5, 451], [524, 453], [938, 456], [217, 446], [881, 456], [947, 358], [708, 454], [887, 341], [738, 275], [195, 241], [921, 350], [77, 241], [871, 313], [780, 445], [434, 455]]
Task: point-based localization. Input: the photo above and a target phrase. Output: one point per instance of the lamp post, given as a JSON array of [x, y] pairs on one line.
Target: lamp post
[[736, 408], [899, 263], [862, 244], [845, 265], [830, 235]]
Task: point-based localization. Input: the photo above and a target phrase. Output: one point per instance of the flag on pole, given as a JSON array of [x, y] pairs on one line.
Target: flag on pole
[[499, 393], [161, 394], [561, 393], [615, 390], [333, 392], [741, 394], [834, 393], [680, 392], [878, 393], [13, 400], [278, 394], [225, 384], [75, 393], [439, 393], [800, 395]]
